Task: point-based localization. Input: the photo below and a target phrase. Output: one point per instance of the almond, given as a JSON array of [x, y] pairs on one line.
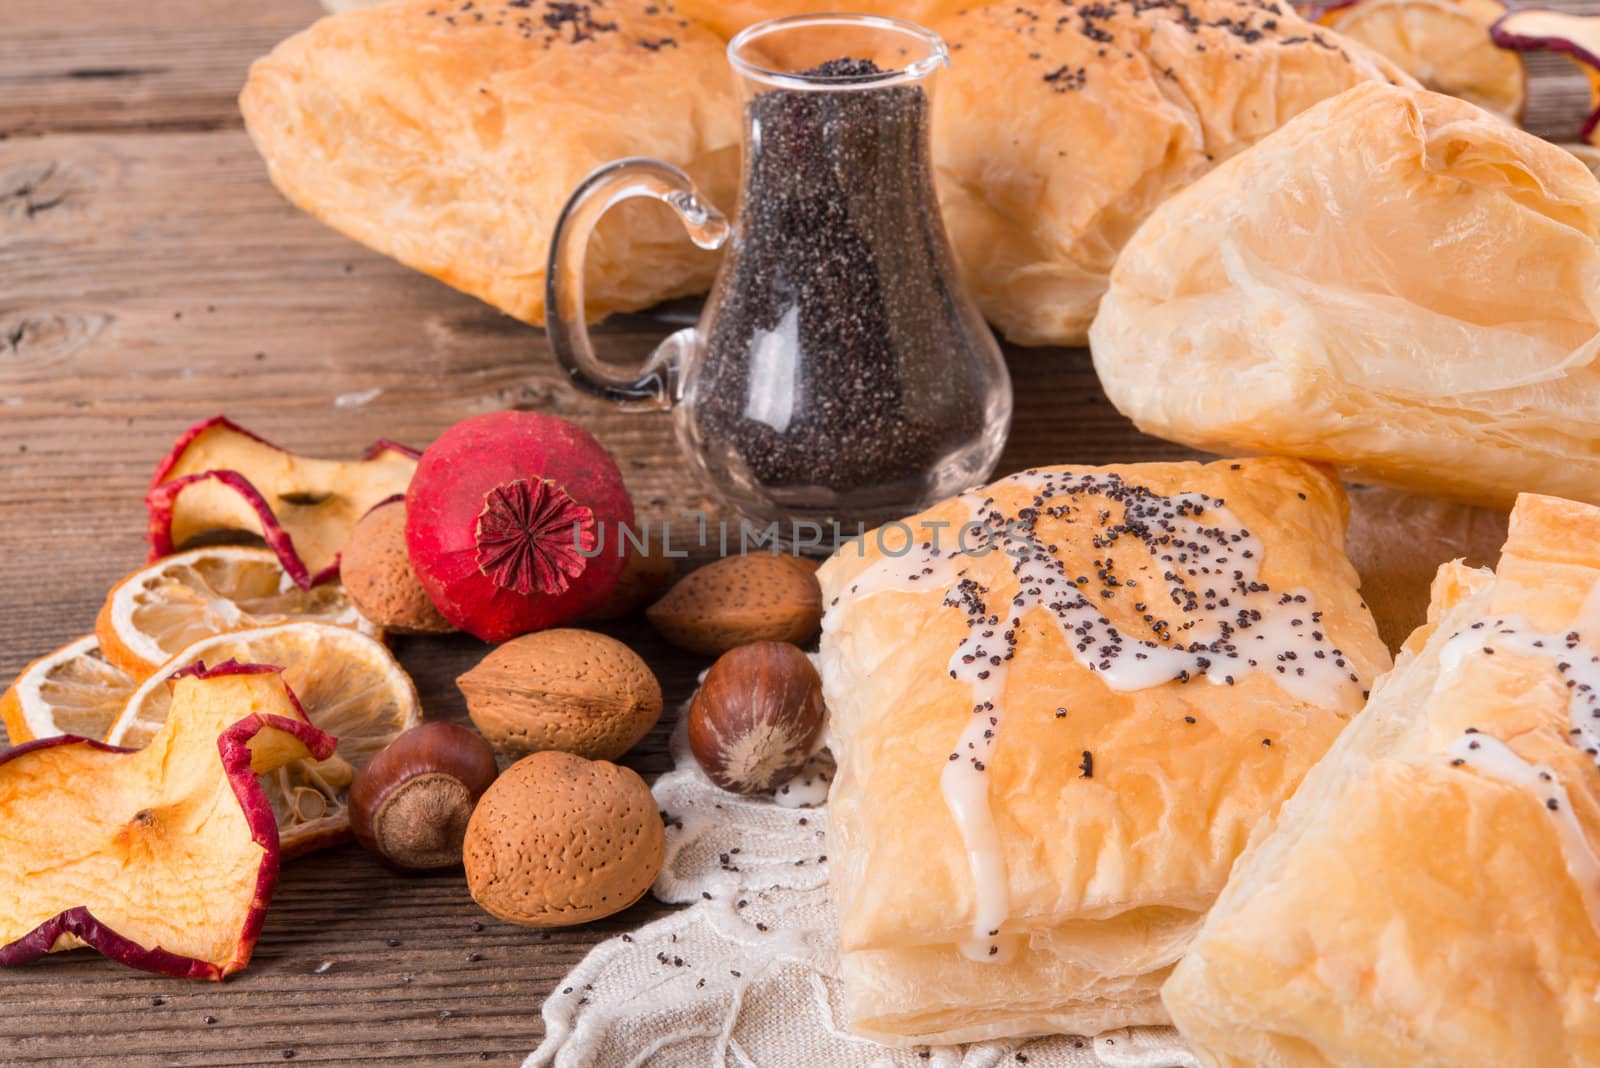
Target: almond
[[558, 840], [738, 600], [572, 690]]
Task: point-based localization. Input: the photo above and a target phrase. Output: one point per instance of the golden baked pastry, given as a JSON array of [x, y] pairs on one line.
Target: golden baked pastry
[[1431, 895], [728, 17], [1060, 127], [1395, 282], [450, 134], [1587, 154], [1056, 727]]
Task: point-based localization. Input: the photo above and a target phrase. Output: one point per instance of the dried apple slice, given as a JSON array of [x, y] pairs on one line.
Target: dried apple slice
[[1444, 44], [158, 611], [220, 477], [74, 690], [349, 684], [1536, 29], [162, 859]]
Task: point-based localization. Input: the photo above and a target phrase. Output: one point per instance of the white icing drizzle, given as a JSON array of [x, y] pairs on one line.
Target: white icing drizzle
[[1211, 617], [1493, 757], [1578, 666]]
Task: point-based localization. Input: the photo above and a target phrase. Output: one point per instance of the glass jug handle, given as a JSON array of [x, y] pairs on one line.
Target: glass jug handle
[[652, 384]]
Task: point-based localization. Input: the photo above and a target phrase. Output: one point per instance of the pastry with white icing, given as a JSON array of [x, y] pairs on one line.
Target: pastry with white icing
[[1058, 714], [1431, 895]]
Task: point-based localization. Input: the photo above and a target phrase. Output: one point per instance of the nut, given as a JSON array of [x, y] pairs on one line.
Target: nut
[[757, 717], [411, 804], [559, 840], [738, 600], [573, 690], [377, 574], [644, 576]]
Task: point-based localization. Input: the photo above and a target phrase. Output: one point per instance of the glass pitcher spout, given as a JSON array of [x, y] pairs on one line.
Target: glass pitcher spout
[[839, 373]]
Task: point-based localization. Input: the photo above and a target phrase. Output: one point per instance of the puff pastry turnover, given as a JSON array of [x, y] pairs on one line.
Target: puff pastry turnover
[[728, 17], [449, 135], [1057, 725], [1395, 282], [1431, 895], [1060, 127]]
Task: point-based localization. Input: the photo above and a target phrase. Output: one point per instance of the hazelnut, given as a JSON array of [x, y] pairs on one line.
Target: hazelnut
[[757, 717], [573, 690], [738, 600], [377, 574], [559, 840], [411, 804]]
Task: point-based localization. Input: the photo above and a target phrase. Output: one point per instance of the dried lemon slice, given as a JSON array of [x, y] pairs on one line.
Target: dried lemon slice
[[1444, 44], [74, 690], [350, 685], [161, 609]]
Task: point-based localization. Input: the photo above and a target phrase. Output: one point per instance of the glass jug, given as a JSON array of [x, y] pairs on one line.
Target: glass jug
[[839, 374]]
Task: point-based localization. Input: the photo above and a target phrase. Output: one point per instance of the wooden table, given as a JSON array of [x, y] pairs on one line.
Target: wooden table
[[150, 276]]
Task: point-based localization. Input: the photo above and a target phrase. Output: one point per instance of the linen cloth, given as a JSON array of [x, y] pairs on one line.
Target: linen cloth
[[746, 975]]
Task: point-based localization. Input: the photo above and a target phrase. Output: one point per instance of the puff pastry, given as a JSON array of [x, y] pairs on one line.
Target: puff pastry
[[1395, 282], [728, 17], [1431, 895], [1055, 728], [1059, 128], [450, 134]]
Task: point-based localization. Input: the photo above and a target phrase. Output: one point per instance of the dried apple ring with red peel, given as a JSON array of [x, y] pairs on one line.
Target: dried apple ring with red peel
[[222, 477], [1537, 29], [162, 859]]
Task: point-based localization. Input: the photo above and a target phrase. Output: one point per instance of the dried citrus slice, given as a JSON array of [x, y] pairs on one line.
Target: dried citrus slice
[[1444, 44], [350, 685], [74, 690], [161, 609]]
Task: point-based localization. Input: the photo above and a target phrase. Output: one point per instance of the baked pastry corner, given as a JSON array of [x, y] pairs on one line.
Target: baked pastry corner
[[1431, 894], [1058, 715], [450, 137]]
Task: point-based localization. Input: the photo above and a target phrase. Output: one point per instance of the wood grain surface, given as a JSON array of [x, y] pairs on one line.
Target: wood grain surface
[[150, 276]]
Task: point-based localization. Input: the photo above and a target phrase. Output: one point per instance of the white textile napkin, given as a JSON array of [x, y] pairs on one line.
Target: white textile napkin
[[746, 975]]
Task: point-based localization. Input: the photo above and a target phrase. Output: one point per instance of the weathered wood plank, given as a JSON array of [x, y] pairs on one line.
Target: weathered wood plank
[[137, 302], [109, 64], [138, 299]]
